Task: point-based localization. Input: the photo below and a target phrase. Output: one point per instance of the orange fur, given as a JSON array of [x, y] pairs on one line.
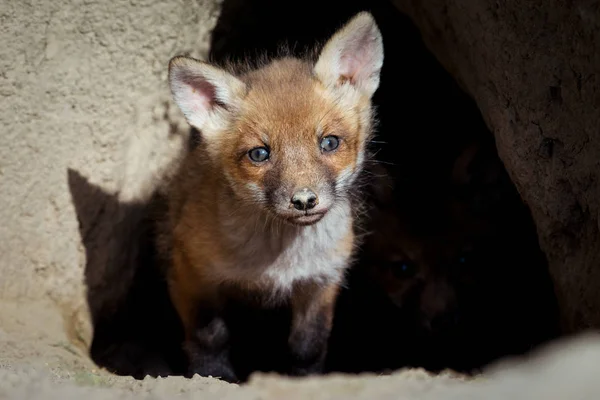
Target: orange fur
[[232, 221]]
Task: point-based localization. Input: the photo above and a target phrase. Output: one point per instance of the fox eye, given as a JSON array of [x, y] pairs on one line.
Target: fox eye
[[466, 257], [259, 154], [403, 269], [330, 143]]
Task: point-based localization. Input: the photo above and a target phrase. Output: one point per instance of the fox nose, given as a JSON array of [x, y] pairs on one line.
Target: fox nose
[[304, 199]]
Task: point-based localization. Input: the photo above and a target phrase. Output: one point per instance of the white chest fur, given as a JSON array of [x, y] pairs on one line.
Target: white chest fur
[[271, 252]]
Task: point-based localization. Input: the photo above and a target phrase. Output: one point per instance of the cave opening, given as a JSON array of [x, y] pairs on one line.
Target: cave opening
[[454, 279]]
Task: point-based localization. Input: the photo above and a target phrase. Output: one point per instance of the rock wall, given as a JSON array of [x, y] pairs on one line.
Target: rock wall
[[82, 87], [532, 67]]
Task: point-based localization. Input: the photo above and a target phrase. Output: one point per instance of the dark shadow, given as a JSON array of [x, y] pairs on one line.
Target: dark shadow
[[486, 249], [136, 330], [425, 122]]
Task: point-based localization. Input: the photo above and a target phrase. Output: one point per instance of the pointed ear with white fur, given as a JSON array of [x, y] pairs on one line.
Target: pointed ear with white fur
[[354, 55], [205, 94]]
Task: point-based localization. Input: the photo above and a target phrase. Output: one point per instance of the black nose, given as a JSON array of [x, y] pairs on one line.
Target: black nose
[[304, 199]]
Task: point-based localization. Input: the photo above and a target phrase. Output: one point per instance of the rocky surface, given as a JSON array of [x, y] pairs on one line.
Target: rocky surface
[[82, 87], [532, 67]]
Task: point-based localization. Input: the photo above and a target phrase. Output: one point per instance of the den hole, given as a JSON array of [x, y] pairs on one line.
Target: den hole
[[454, 278]]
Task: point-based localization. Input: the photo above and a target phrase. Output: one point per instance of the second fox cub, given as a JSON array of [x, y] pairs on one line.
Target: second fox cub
[[454, 271], [261, 209]]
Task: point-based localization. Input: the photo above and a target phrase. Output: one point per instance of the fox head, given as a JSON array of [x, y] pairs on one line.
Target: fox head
[[426, 251], [413, 271], [289, 136]]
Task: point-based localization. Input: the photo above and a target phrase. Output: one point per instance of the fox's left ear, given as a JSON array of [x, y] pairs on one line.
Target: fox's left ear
[[477, 165], [353, 55]]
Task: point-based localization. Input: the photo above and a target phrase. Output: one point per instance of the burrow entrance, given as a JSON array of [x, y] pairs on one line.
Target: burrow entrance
[[460, 280]]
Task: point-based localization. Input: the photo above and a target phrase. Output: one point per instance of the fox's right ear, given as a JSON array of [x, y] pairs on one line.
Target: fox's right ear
[[205, 94]]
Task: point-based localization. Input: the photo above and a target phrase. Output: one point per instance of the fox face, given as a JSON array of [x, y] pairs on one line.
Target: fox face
[[416, 273], [423, 253], [289, 136]]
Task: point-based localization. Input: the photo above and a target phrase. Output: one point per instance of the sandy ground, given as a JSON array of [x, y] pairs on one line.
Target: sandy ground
[[38, 361]]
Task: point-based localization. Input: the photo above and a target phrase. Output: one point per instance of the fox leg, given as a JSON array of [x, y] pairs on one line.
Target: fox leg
[[312, 315], [207, 347], [206, 341]]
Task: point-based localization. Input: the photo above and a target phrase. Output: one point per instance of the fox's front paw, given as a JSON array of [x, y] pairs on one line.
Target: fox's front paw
[[207, 363], [208, 352], [217, 366], [307, 353]]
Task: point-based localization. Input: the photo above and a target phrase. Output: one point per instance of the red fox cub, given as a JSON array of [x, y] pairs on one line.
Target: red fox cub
[[408, 263], [461, 263], [262, 208]]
